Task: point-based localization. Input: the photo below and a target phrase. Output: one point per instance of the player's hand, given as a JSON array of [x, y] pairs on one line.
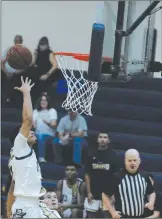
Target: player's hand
[[150, 206], [26, 86], [90, 197], [116, 214], [44, 77]]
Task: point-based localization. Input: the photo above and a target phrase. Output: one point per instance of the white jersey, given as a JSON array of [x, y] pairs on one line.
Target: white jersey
[[67, 193], [26, 170]]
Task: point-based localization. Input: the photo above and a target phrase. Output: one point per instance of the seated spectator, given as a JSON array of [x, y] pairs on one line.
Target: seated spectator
[[72, 130], [157, 207], [49, 204], [44, 122], [50, 200], [45, 62], [71, 194]]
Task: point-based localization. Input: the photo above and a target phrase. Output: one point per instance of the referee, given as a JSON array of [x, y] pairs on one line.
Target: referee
[[131, 186], [99, 169]]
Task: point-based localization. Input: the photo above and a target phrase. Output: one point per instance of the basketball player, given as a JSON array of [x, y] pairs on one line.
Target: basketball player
[[26, 170], [71, 194]]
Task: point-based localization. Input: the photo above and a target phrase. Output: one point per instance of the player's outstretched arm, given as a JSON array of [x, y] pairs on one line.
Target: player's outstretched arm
[[27, 113]]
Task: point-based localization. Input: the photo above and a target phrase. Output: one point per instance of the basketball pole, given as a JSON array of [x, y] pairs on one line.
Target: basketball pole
[[119, 34], [118, 39], [128, 40]]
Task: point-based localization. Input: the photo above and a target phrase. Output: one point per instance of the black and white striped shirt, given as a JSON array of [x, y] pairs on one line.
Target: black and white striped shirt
[[130, 191]]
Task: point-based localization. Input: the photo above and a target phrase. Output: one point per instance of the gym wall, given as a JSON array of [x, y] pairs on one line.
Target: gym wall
[[68, 25]]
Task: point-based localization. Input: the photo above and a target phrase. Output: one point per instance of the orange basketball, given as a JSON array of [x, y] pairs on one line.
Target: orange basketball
[[19, 57]]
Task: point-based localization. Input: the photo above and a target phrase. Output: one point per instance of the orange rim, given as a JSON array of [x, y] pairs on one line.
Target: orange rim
[[82, 57], [85, 57], [64, 53]]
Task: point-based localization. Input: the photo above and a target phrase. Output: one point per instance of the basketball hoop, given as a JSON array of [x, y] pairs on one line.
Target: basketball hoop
[[81, 91]]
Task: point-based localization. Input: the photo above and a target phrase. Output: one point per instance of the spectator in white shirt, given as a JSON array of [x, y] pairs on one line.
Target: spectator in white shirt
[[44, 122], [72, 130]]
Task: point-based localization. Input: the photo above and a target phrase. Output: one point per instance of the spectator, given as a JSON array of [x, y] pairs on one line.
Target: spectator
[[50, 200], [46, 65], [130, 186], [71, 193], [9, 74], [5, 66], [49, 204], [99, 169], [155, 213], [72, 130], [44, 122]]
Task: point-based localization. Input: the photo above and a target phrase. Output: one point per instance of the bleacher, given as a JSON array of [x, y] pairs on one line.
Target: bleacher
[[130, 112]]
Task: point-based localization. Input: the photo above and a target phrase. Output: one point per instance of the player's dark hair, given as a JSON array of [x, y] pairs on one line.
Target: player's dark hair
[[15, 132], [43, 41], [102, 131], [13, 135], [38, 103], [77, 166]]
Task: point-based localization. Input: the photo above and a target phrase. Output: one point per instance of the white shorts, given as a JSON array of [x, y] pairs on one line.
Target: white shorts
[[67, 213], [31, 208], [96, 205], [93, 207]]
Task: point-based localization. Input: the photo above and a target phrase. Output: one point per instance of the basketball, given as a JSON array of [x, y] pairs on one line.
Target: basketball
[[19, 57]]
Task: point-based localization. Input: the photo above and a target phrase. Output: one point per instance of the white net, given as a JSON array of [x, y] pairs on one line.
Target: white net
[[80, 91]]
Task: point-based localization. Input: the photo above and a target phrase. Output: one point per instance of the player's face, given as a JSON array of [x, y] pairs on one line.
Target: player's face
[[103, 139], [32, 138], [70, 172], [51, 201], [132, 163], [44, 102]]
